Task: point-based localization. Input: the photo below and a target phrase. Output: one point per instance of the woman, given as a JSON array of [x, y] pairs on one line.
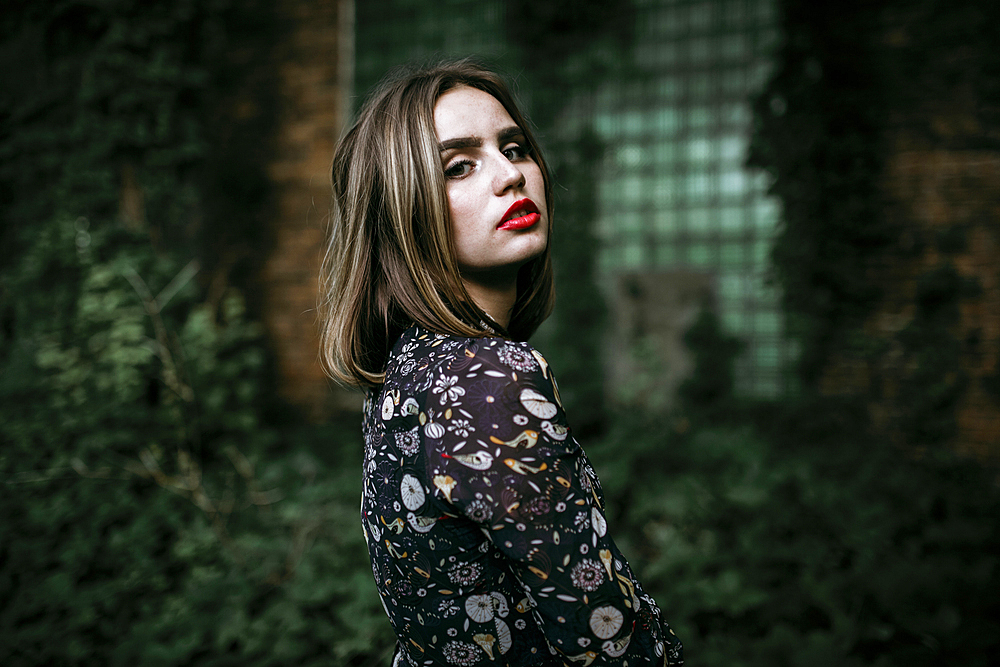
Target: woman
[[483, 517]]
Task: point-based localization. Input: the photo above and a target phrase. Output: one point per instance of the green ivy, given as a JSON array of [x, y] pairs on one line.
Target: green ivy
[[819, 135], [806, 544]]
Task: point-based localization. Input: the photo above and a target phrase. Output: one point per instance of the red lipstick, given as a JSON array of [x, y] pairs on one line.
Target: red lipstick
[[521, 215]]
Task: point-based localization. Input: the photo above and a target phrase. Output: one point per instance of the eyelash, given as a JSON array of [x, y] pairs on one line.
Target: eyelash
[[454, 170], [522, 151]]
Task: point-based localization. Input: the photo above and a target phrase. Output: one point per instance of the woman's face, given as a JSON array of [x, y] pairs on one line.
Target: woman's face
[[495, 189]]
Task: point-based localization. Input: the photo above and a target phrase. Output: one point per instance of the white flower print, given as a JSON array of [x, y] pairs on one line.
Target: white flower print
[[407, 368], [479, 511], [408, 441], [447, 608], [461, 427], [588, 574], [442, 424], [448, 387], [517, 358], [606, 621], [412, 492], [479, 608], [461, 653], [464, 574]]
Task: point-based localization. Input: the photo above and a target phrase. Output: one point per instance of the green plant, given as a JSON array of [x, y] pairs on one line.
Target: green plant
[[808, 545]]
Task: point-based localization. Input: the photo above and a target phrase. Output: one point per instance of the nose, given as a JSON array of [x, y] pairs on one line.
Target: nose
[[506, 176]]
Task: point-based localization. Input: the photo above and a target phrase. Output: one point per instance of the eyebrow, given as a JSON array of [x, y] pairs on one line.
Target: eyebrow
[[505, 135]]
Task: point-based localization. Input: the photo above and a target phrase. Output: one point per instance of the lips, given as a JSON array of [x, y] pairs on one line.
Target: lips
[[521, 215]]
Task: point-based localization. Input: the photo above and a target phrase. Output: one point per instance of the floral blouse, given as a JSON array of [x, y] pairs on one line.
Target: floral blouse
[[485, 521]]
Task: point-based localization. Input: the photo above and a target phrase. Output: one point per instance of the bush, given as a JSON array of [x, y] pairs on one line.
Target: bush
[[139, 527], [780, 550]]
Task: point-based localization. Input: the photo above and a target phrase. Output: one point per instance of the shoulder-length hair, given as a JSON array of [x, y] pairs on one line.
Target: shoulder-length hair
[[391, 258]]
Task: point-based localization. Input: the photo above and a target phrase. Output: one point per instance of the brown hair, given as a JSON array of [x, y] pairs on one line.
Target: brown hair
[[391, 258]]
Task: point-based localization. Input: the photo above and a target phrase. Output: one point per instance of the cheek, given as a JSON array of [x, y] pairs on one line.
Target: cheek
[[536, 184], [466, 210], [459, 216]]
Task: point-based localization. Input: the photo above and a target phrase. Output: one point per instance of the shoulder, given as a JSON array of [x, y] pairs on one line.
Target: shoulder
[[441, 365], [518, 363], [418, 349], [417, 356]]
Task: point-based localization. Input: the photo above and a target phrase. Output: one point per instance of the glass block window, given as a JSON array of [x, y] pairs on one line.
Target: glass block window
[[678, 127]]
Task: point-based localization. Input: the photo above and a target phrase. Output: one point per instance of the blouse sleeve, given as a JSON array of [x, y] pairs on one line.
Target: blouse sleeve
[[506, 459]]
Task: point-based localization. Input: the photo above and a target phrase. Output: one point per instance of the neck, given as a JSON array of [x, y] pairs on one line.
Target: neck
[[497, 301]]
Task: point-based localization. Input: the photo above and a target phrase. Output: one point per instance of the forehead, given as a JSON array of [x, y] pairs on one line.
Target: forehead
[[469, 112]]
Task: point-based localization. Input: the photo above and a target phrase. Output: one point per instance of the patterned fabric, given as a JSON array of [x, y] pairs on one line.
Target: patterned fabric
[[485, 521]]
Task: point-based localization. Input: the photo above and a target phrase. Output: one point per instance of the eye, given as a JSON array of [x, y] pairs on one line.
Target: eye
[[458, 169], [515, 152]]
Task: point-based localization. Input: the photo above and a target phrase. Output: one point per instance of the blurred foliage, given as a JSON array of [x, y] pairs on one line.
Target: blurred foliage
[[787, 535], [818, 134], [707, 396], [159, 510], [155, 515], [806, 544]]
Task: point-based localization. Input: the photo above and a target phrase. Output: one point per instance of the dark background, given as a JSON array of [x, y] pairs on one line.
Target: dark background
[[179, 486]]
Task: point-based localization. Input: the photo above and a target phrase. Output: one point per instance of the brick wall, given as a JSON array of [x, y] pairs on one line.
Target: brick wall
[[314, 65]]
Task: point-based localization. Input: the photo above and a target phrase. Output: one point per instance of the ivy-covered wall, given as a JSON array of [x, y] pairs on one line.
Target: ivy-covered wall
[[159, 506], [881, 131]]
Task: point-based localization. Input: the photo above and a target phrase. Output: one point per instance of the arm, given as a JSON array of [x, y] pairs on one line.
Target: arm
[[508, 461]]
